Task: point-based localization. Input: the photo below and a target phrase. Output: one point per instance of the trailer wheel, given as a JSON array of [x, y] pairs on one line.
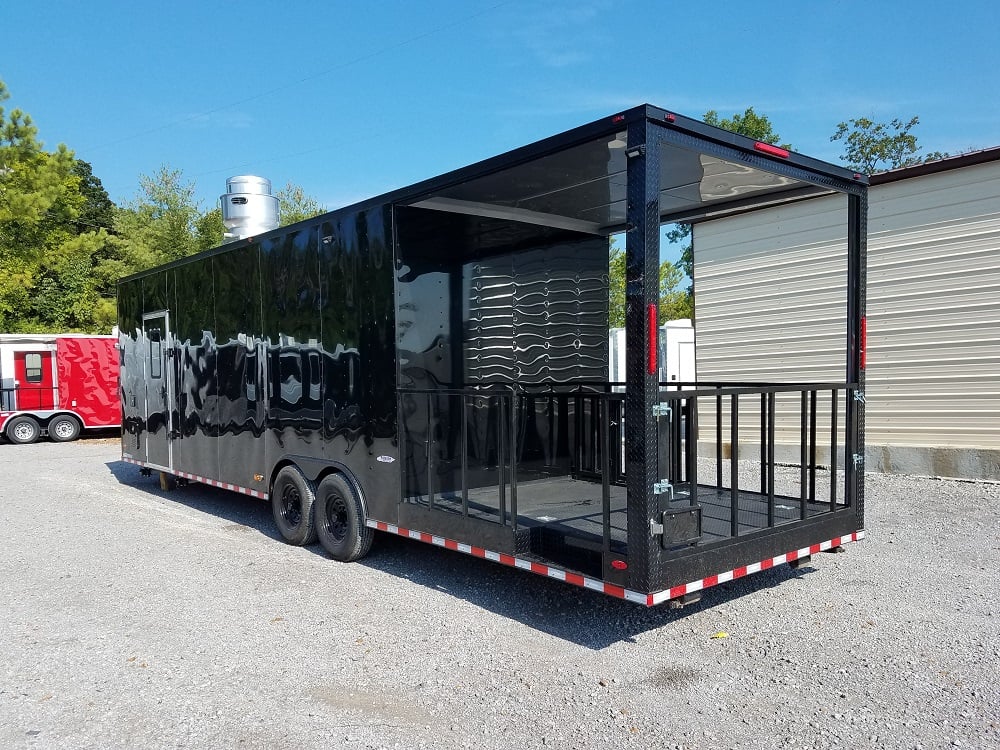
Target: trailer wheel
[[64, 428], [23, 430], [292, 500], [340, 520]]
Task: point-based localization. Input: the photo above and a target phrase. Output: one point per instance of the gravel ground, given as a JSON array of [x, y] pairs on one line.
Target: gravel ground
[[134, 618]]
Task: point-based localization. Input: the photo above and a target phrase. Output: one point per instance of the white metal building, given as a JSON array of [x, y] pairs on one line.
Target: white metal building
[[933, 311]]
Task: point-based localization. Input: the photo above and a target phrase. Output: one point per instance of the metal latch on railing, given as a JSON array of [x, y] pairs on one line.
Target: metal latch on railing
[[661, 410], [663, 487], [859, 459], [655, 529], [860, 396]]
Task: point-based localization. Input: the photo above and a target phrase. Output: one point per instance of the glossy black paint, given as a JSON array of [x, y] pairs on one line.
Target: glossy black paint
[[279, 349], [411, 346]]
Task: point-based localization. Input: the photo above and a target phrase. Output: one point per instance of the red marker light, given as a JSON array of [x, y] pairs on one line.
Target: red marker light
[[767, 148], [619, 564], [864, 342], [670, 117], [618, 118], [651, 322]]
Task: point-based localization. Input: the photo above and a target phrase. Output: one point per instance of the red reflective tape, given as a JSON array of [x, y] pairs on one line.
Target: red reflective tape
[[477, 552], [612, 590], [451, 544], [542, 570], [507, 560], [765, 564], [815, 549], [740, 571], [651, 324], [576, 580], [789, 556], [710, 581], [864, 342]]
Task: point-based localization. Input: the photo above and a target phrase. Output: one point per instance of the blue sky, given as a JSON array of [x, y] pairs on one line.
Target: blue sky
[[350, 100]]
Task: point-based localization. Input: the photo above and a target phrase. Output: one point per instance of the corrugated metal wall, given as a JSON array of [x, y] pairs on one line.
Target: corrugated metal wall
[[776, 310]]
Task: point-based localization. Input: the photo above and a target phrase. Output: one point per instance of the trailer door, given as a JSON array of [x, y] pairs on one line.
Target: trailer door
[[35, 388], [157, 352]]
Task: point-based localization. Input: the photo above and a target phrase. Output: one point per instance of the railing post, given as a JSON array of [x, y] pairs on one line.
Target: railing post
[[465, 457], [833, 449], [430, 450], [734, 457], [718, 439], [770, 459], [691, 448], [606, 474], [803, 454], [512, 426]]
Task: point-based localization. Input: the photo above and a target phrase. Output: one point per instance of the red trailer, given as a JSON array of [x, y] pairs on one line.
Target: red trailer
[[57, 384]]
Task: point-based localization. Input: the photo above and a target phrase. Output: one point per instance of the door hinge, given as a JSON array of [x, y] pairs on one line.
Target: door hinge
[[661, 410], [663, 487], [655, 529]]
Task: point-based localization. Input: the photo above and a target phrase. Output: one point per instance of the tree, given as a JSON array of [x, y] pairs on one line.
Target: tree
[[878, 146], [749, 123], [674, 301], [158, 226], [294, 205], [208, 229], [54, 216]]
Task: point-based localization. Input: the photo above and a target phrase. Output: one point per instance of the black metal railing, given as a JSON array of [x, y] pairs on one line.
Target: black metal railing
[[459, 444]]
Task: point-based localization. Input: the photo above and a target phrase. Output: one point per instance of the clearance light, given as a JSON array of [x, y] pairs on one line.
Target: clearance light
[[767, 148], [651, 324], [618, 118], [619, 564], [670, 117]]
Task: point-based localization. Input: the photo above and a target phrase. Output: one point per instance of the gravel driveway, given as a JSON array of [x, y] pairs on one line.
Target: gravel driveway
[[137, 618]]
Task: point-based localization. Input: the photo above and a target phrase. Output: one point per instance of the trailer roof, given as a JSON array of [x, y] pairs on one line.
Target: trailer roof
[[578, 180]]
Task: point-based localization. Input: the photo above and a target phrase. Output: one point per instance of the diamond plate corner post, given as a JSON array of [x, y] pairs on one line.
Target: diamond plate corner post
[[857, 280], [642, 286]]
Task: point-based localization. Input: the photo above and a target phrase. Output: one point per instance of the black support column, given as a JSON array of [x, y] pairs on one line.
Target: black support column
[[857, 263], [642, 271]]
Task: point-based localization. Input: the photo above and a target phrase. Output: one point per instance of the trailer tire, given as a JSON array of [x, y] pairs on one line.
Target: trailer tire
[[23, 430], [340, 520], [292, 500], [64, 428]]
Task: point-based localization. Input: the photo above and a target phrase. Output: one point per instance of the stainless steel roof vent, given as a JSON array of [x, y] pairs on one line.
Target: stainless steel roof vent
[[248, 208]]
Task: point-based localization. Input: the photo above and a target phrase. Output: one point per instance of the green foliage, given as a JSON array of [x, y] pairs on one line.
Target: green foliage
[[209, 229], [675, 303], [749, 123], [53, 224], [158, 225], [871, 146], [294, 205]]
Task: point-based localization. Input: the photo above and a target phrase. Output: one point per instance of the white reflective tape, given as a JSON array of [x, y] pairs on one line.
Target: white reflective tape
[[590, 583], [727, 576], [438, 540], [494, 556], [635, 596], [413, 534], [522, 564], [559, 575], [464, 548]]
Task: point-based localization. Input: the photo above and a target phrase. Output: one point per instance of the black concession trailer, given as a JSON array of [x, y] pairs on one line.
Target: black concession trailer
[[433, 363]]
